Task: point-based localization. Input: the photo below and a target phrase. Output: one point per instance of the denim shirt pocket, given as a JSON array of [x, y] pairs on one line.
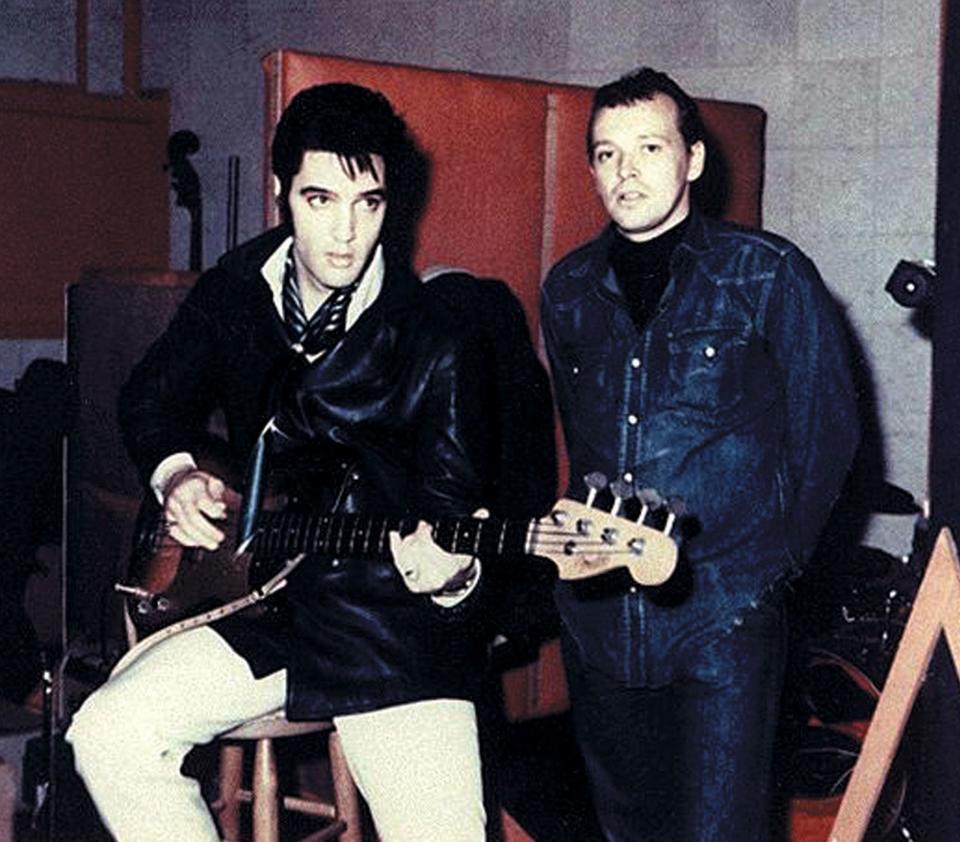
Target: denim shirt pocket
[[716, 373]]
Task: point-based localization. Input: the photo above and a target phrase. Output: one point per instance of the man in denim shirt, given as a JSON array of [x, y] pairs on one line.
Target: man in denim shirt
[[709, 362]]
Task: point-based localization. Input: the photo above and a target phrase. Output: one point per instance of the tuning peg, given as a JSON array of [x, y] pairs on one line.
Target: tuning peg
[[649, 499], [621, 490], [675, 508], [595, 481]]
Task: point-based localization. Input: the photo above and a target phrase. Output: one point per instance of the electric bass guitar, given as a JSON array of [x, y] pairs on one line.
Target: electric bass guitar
[[167, 582]]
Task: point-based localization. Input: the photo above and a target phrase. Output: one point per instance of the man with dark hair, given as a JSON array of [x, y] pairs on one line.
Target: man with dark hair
[[706, 361], [377, 395]]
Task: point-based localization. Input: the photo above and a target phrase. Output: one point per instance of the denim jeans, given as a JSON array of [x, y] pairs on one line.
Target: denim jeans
[[690, 761]]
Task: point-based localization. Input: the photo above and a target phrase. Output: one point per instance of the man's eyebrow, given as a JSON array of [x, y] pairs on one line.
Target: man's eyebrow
[[374, 192]]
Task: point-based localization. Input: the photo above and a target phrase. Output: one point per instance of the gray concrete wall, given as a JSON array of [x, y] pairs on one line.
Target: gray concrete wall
[[850, 89]]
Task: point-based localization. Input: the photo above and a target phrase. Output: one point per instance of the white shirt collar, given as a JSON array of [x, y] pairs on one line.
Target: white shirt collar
[[366, 293]]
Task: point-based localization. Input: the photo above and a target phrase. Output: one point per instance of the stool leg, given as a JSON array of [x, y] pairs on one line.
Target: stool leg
[[230, 781], [345, 794], [266, 812]]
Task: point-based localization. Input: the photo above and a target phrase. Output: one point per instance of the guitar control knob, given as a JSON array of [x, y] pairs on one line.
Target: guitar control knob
[[162, 603]]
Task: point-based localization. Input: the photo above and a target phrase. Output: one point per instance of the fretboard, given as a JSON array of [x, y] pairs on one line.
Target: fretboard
[[285, 534]]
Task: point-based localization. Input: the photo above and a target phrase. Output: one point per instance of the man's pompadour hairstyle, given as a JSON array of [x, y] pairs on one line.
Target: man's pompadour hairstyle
[[348, 120]]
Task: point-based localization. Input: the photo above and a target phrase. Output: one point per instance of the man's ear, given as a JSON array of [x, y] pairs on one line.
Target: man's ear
[[276, 187], [698, 160]]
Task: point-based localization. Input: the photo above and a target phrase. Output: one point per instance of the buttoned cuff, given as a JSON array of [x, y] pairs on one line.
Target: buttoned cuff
[[174, 464]]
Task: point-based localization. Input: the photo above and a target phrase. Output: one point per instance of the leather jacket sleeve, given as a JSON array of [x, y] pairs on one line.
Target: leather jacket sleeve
[[452, 449], [170, 393]]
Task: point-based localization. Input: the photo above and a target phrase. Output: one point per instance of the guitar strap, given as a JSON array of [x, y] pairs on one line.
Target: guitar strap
[[268, 588]]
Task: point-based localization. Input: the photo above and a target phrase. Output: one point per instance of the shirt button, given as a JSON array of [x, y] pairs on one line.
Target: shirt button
[[709, 352], [633, 589], [632, 420], [628, 477], [635, 362]]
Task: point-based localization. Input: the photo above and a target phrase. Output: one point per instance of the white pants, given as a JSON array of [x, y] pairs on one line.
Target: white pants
[[417, 765]]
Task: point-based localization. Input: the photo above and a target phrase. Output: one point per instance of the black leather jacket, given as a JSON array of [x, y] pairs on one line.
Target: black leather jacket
[[407, 399]]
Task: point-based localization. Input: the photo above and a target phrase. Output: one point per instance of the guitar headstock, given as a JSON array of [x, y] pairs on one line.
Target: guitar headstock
[[584, 540]]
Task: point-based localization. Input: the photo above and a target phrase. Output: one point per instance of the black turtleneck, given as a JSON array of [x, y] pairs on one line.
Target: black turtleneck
[[642, 270]]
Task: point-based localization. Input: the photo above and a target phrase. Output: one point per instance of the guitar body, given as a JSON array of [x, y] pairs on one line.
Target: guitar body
[[167, 582]]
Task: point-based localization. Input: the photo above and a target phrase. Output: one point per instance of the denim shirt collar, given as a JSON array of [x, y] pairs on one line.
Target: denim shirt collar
[[696, 241]]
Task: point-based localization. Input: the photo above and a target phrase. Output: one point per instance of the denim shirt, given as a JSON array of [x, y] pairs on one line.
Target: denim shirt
[[737, 397]]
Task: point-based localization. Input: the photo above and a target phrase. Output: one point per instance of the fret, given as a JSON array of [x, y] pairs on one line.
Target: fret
[[297, 518], [384, 529], [503, 537], [336, 546], [456, 536], [351, 541], [310, 535], [285, 542], [476, 538], [276, 534], [328, 529], [323, 534], [366, 538]]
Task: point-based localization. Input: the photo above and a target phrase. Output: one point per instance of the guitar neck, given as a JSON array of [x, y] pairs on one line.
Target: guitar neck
[[285, 534]]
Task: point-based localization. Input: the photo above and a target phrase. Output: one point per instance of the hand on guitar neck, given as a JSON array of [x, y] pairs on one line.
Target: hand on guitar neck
[[426, 567]]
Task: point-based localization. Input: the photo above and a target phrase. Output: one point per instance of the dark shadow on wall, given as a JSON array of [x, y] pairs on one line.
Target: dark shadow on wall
[[711, 191]]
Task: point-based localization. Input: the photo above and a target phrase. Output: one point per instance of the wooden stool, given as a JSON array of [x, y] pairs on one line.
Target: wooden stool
[[343, 813]]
